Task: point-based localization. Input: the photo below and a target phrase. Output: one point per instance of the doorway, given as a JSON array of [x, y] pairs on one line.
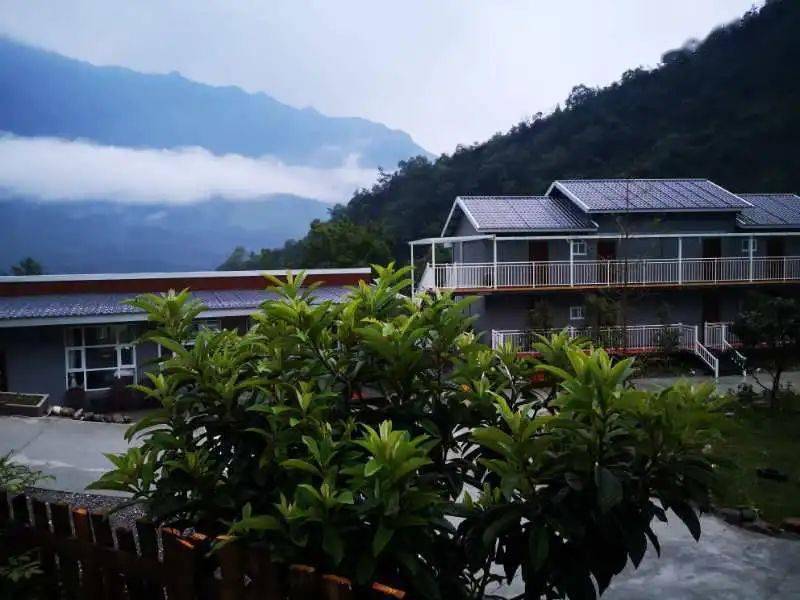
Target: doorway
[[776, 247], [712, 250], [606, 250], [539, 255], [711, 309], [775, 269]]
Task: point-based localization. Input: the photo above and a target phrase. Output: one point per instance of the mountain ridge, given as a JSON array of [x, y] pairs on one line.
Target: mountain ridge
[[120, 106], [107, 236]]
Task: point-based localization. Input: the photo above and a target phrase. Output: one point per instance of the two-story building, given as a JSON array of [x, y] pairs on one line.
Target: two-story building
[[662, 255]]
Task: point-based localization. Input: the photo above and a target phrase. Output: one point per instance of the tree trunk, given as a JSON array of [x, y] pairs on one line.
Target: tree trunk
[[773, 393]]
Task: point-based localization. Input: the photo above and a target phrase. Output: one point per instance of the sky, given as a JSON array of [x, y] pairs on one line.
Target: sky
[[446, 71]]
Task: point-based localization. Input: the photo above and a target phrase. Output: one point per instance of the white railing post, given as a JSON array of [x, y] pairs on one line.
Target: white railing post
[[412, 269], [433, 266], [571, 264], [750, 253], [494, 262], [680, 261]]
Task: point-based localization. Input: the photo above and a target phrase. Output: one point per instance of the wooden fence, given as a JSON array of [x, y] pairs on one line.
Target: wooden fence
[[82, 559]]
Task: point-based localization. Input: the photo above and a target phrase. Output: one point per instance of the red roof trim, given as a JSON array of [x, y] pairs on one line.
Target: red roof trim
[[144, 285]]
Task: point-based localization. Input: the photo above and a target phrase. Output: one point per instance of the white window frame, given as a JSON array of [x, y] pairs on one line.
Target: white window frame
[[746, 245], [116, 344], [579, 248], [577, 313], [200, 325]]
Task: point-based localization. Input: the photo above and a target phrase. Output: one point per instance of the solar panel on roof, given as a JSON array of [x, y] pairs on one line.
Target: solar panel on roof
[[770, 210], [614, 195], [525, 213]]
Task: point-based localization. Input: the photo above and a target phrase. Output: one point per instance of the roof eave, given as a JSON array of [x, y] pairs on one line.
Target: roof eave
[[557, 185], [458, 202]]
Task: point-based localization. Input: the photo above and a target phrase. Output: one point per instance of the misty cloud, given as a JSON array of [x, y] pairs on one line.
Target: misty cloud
[[58, 169]]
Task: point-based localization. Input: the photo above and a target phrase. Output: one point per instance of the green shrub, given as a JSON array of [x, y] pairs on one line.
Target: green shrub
[[344, 434]]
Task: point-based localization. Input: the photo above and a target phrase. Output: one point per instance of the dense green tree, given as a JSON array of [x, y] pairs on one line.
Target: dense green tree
[[769, 327], [724, 109], [342, 434], [336, 243], [27, 266]]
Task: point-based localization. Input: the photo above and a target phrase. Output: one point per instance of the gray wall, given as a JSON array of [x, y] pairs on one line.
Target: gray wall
[[511, 311], [35, 357], [34, 360]]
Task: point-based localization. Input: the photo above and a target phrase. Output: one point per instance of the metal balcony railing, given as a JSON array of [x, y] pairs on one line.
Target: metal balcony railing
[[610, 273], [631, 339]]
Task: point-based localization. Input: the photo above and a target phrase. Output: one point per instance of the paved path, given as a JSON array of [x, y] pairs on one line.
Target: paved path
[[727, 563], [71, 451], [725, 383]]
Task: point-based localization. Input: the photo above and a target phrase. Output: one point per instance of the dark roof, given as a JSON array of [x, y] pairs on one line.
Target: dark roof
[[524, 213], [61, 306], [645, 195], [770, 210]]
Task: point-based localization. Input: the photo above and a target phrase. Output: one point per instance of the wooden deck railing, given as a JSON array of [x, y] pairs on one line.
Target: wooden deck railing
[[82, 558], [611, 273]]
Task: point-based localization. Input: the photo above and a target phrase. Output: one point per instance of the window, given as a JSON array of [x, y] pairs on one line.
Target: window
[[746, 245], [577, 313], [197, 326], [578, 248], [95, 356]]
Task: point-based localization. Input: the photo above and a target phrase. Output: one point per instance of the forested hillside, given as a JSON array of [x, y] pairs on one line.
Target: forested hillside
[[727, 109]]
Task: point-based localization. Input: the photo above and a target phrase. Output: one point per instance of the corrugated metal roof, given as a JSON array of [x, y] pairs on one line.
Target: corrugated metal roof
[[644, 195], [525, 213], [94, 305], [770, 210]]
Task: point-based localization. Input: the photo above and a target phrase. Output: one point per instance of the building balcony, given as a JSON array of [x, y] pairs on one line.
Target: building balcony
[[555, 275]]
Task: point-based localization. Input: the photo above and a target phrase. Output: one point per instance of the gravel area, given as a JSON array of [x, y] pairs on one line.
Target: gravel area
[[125, 517]]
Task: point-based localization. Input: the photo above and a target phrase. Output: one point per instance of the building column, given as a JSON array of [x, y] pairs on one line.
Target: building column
[[411, 247], [494, 262], [750, 255], [571, 264], [433, 264], [680, 261]]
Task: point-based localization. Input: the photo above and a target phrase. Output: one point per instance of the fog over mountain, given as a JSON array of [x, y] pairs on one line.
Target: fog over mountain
[[108, 169]]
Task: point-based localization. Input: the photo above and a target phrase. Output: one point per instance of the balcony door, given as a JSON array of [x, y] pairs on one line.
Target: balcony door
[[776, 268], [606, 251], [712, 248], [539, 254]]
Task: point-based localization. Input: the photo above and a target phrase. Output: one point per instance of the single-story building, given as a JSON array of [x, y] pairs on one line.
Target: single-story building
[[68, 334]]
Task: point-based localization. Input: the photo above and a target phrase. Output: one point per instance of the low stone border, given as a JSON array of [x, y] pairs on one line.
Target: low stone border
[[9, 407], [85, 415], [747, 518]]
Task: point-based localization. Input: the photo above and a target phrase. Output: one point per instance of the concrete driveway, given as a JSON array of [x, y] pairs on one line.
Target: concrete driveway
[[728, 563], [71, 451]]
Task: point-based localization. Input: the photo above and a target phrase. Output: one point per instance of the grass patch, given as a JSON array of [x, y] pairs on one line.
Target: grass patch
[[755, 438]]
